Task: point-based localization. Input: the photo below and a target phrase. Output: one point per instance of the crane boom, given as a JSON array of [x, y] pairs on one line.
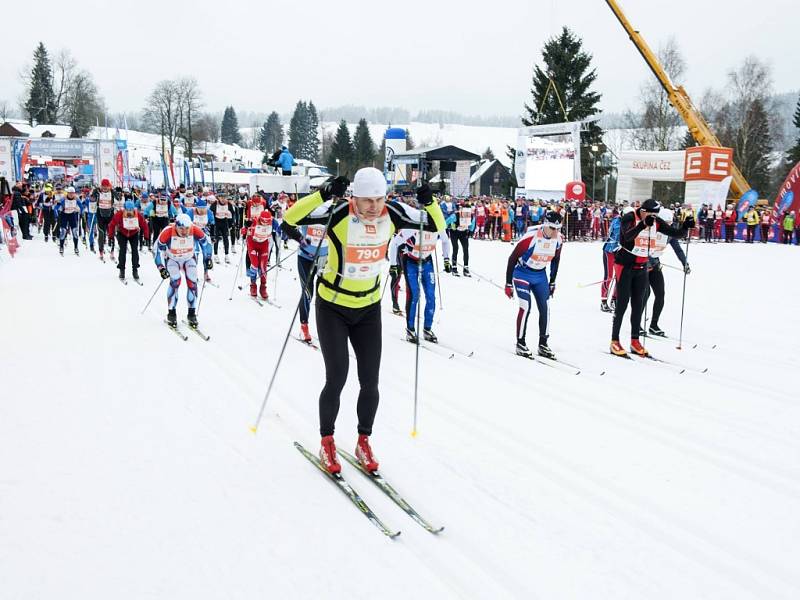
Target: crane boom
[[678, 98]]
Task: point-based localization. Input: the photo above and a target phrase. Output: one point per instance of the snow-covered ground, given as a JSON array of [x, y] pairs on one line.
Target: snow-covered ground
[[128, 469]]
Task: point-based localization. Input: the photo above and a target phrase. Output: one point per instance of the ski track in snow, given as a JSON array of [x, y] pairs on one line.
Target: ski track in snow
[[129, 469]]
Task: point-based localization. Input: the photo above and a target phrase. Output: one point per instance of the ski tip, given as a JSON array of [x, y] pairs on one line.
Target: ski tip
[[704, 370], [602, 373], [393, 535], [682, 371]]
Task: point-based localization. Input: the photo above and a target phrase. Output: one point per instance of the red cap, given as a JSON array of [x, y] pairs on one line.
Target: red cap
[[105, 183]]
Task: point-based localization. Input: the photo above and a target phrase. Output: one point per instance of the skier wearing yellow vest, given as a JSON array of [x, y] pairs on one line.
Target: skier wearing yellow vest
[[751, 219], [348, 291], [788, 228]]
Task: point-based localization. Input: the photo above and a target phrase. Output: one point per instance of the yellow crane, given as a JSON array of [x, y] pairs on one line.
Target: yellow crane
[[679, 98]]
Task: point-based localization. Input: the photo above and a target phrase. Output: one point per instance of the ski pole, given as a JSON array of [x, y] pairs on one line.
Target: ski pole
[[486, 279], [646, 293], [278, 264], [585, 285], [419, 315], [438, 285], [238, 268], [254, 427], [277, 273], [202, 289], [683, 299], [158, 287], [385, 285]]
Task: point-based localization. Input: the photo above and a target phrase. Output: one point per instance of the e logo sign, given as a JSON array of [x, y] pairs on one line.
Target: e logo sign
[[707, 163]]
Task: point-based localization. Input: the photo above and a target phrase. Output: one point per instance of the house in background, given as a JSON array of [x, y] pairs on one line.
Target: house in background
[[489, 178]]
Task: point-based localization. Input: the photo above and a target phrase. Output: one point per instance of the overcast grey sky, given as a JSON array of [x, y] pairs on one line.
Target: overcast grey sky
[[471, 57]]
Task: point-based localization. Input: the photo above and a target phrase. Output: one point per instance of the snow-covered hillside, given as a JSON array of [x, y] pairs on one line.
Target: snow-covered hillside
[[128, 469]]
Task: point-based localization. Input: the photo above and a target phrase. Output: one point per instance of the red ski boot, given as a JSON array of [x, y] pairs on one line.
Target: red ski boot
[[327, 455], [364, 454], [617, 349], [638, 349], [253, 290], [263, 288], [305, 336]]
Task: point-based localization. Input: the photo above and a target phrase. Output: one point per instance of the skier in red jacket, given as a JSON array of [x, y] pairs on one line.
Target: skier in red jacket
[[730, 223], [129, 224], [258, 236]]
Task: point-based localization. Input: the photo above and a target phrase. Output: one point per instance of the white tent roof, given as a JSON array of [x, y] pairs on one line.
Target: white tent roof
[[59, 131]]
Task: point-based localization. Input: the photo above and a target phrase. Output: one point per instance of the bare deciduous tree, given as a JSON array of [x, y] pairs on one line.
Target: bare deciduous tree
[[744, 123], [189, 107], [656, 126], [6, 110], [65, 68], [163, 112]]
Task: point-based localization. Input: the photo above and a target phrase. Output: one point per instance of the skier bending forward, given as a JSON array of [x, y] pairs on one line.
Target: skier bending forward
[[176, 243]]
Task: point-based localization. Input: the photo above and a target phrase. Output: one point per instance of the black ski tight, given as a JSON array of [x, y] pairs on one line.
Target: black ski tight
[[123, 242], [457, 236], [709, 230], [656, 277], [102, 228], [159, 223], [630, 288], [221, 233], [49, 221], [335, 324]]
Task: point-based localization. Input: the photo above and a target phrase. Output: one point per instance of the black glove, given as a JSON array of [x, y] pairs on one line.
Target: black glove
[[649, 220], [208, 264], [552, 288], [394, 271], [163, 271], [447, 266], [425, 195], [334, 187], [687, 269]]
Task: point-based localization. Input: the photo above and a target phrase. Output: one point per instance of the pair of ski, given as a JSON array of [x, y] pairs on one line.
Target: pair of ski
[[262, 301], [308, 343], [453, 350], [556, 364], [660, 362], [444, 350], [136, 281], [683, 343], [359, 503], [182, 335]]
